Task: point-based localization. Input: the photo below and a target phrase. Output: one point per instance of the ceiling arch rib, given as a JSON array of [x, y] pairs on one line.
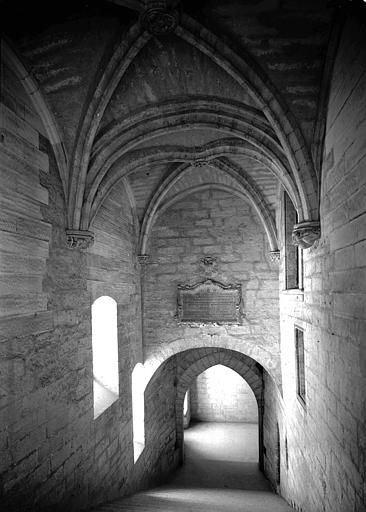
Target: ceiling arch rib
[[49, 122], [118, 143], [230, 181], [122, 55], [162, 125], [250, 76], [131, 199], [99, 172], [149, 156], [163, 112]]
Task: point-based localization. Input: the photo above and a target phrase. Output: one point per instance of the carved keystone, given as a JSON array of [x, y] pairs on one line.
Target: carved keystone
[[274, 256], [208, 261], [158, 19], [306, 233], [199, 163], [208, 265], [76, 239]]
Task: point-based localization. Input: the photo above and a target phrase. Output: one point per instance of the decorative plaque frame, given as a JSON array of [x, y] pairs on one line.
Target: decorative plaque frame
[[209, 302]]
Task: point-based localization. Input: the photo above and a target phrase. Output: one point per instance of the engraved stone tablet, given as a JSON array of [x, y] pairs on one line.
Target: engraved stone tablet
[[209, 302]]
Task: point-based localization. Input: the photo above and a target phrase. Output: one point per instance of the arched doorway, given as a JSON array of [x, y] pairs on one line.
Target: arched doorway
[[204, 359], [221, 439]]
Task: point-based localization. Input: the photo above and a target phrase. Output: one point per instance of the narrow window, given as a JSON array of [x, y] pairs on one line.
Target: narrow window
[[105, 354], [185, 404], [187, 409], [293, 254], [286, 452], [278, 469], [300, 363], [138, 410]]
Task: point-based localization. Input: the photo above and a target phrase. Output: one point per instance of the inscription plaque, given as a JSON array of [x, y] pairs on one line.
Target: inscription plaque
[[209, 302]]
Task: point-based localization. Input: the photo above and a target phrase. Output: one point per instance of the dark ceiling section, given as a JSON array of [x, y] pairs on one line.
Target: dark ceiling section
[[30, 18]]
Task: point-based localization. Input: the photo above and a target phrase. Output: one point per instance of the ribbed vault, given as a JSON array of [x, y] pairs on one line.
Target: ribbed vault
[[270, 132]]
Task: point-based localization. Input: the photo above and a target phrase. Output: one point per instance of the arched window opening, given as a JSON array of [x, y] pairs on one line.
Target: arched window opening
[[138, 410], [187, 409], [185, 405], [105, 354]]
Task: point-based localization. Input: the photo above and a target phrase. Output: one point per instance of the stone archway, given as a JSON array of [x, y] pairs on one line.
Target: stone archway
[[188, 364], [245, 366]]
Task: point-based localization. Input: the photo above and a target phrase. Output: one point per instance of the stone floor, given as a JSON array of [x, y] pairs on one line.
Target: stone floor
[[220, 474]]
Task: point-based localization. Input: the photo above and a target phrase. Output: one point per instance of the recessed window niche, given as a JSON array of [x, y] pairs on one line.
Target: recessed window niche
[[105, 354]]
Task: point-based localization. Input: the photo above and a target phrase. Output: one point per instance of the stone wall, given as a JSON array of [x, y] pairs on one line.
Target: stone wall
[[274, 436], [30, 369], [53, 453], [220, 394], [160, 456], [211, 223], [285, 38], [326, 438]]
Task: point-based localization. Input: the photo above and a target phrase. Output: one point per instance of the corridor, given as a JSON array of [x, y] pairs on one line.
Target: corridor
[[183, 207], [220, 474]]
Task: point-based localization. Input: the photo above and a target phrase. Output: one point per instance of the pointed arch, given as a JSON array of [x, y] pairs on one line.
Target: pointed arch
[[36, 96], [244, 366], [239, 185], [200, 359], [224, 124], [224, 116]]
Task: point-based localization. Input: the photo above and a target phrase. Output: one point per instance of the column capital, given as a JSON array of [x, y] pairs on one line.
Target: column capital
[[306, 233], [143, 259], [79, 239], [274, 256]]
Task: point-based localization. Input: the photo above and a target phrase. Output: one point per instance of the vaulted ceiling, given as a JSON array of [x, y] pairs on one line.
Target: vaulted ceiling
[[177, 97]]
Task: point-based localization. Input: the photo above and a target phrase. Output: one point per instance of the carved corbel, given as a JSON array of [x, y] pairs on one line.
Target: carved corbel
[[306, 233], [208, 265], [158, 18], [208, 261], [77, 239], [143, 259], [274, 256]]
